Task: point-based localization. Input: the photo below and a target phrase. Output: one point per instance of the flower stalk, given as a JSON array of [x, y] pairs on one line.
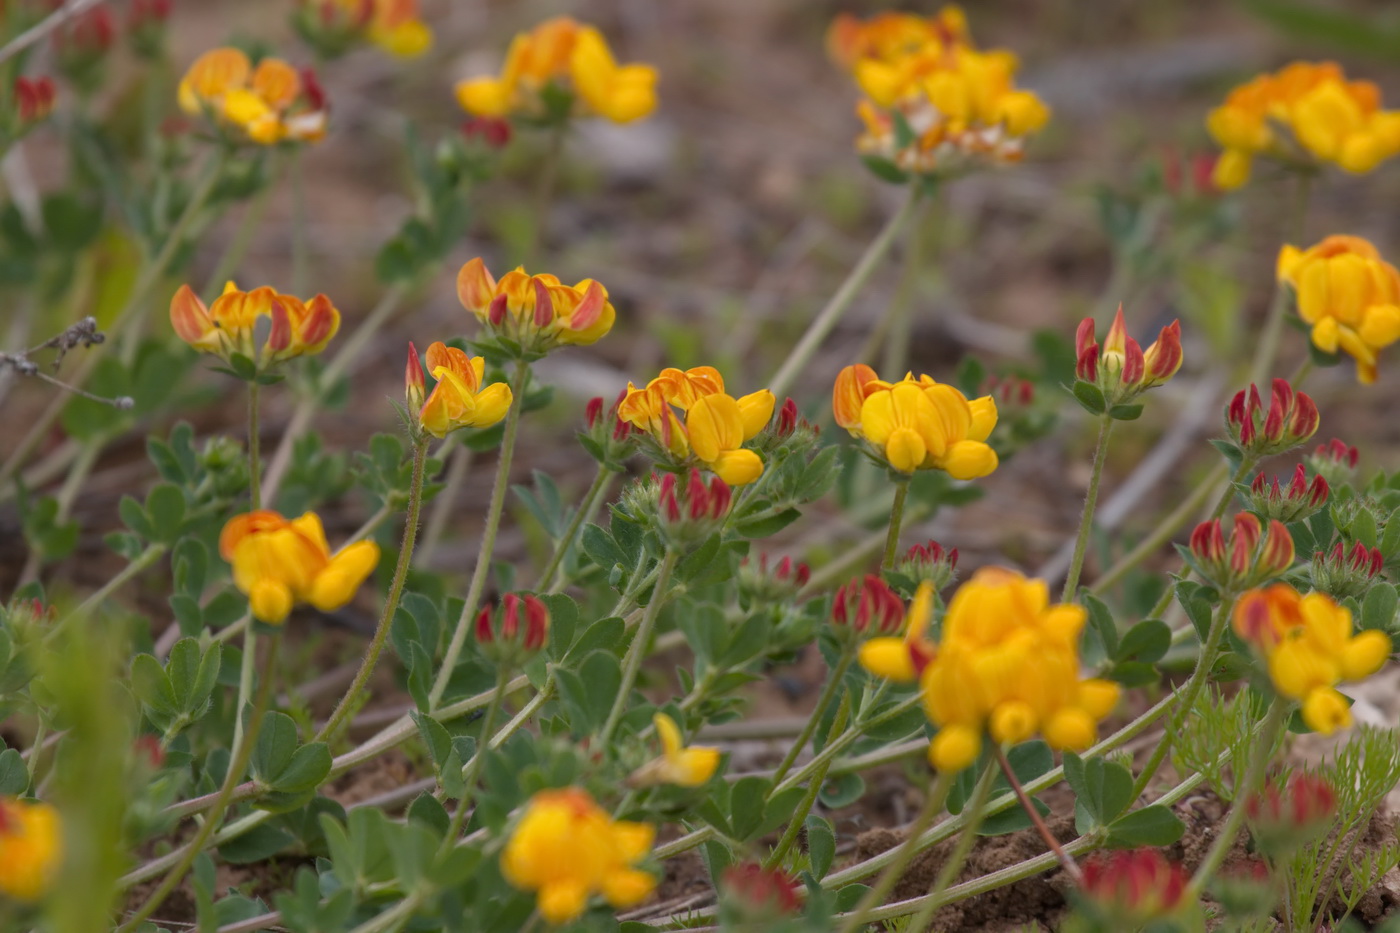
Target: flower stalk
[[638, 648], [833, 683], [901, 493], [1086, 519]]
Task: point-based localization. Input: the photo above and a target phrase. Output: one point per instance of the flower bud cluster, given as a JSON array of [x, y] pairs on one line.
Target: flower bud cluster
[[1126, 890], [867, 607], [1335, 461], [606, 437], [684, 509], [1251, 556], [1283, 819], [515, 631], [758, 583], [1291, 419], [1299, 500], [929, 562], [1116, 373], [755, 894], [1341, 572]]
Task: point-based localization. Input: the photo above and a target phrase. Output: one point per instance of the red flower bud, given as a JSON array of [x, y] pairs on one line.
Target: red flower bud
[[1134, 364], [1292, 418], [593, 410], [787, 418], [759, 891], [1086, 351], [868, 607], [492, 131], [414, 385], [514, 632], [1281, 820], [1134, 887]]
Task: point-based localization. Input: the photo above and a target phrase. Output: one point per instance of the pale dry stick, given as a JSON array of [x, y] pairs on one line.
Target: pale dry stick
[[519, 381], [307, 407], [828, 317], [45, 26]]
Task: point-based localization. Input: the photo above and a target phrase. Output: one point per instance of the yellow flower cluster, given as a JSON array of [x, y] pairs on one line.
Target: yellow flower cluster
[[460, 399], [1310, 646], [396, 28], [562, 56], [917, 424], [716, 424], [535, 312], [1307, 113], [265, 105], [1006, 665], [567, 849], [299, 328], [680, 765], [278, 563], [1350, 296], [30, 848], [934, 103]]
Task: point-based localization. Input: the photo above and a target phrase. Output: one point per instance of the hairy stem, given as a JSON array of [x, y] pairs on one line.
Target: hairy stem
[[561, 548], [488, 537], [901, 493], [1086, 520], [798, 820], [638, 649], [833, 683]]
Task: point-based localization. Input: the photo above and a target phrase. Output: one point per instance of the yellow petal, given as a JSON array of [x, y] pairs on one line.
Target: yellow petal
[[737, 467], [1232, 170], [1326, 334], [1325, 711], [1380, 325], [714, 424], [954, 748], [905, 450], [984, 418], [270, 601], [969, 460], [492, 404], [1364, 655], [695, 766], [485, 97], [1011, 722], [562, 901], [755, 411], [888, 658], [1098, 697], [1070, 728], [336, 584], [627, 887], [669, 734]]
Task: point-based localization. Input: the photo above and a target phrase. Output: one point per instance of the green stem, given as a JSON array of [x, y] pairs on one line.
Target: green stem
[[488, 538], [1269, 340], [1086, 520], [798, 820], [1253, 777], [245, 679], [933, 805], [391, 604], [561, 547], [638, 649], [132, 313], [146, 558], [237, 248], [901, 492], [1188, 694], [254, 462], [833, 683], [473, 768], [828, 317], [1163, 533], [977, 811], [236, 767]]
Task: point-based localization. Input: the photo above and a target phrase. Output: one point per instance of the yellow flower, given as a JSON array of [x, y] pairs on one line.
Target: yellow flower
[[1007, 665], [1310, 646], [1350, 296], [266, 104], [1307, 112], [566, 848], [903, 659], [279, 563], [396, 28], [31, 847], [459, 400], [716, 425], [298, 328], [536, 312], [570, 57], [917, 424], [889, 36], [685, 767]]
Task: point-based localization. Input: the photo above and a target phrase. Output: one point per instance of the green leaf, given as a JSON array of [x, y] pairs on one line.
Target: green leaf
[[1089, 396], [260, 843], [309, 766], [165, 507], [14, 777], [604, 635], [821, 845], [1145, 642], [601, 547], [1125, 412], [842, 791], [1101, 620], [1102, 790], [134, 517], [746, 803], [885, 170], [1151, 826], [1378, 609], [277, 743], [767, 526]]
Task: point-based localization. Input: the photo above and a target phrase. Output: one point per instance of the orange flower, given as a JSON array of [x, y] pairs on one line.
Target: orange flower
[[535, 313], [31, 846], [459, 399], [266, 104], [227, 327]]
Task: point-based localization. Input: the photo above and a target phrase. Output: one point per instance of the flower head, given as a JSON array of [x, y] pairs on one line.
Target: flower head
[[1131, 889], [1335, 461], [1291, 419], [1121, 369], [1283, 818], [514, 632], [868, 607], [879, 612], [934, 104], [1299, 500], [689, 510], [461, 398], [679, 764], [336, 26], [1309, 646], [225, 328], [929, 561], [31, 847], [764, 581], [566, 849], [1007, 665], [1253, 554], [279, 563], [533, 314], [1344, 571], [916, 424], [1348, 294], [1306, 114], [716, 427], [265, 105], [558, 69]]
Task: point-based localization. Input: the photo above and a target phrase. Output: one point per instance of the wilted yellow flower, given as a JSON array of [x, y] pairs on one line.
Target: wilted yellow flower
[[460, 400], [266, 104], [227, 327], [1307, 113], [1310, 646], [31, 846], [279, 563], [566, 848], [1350, 296], [679, 765], [716, 425], [566, 57], [535, 312], [1007, 665], [917, 424]]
